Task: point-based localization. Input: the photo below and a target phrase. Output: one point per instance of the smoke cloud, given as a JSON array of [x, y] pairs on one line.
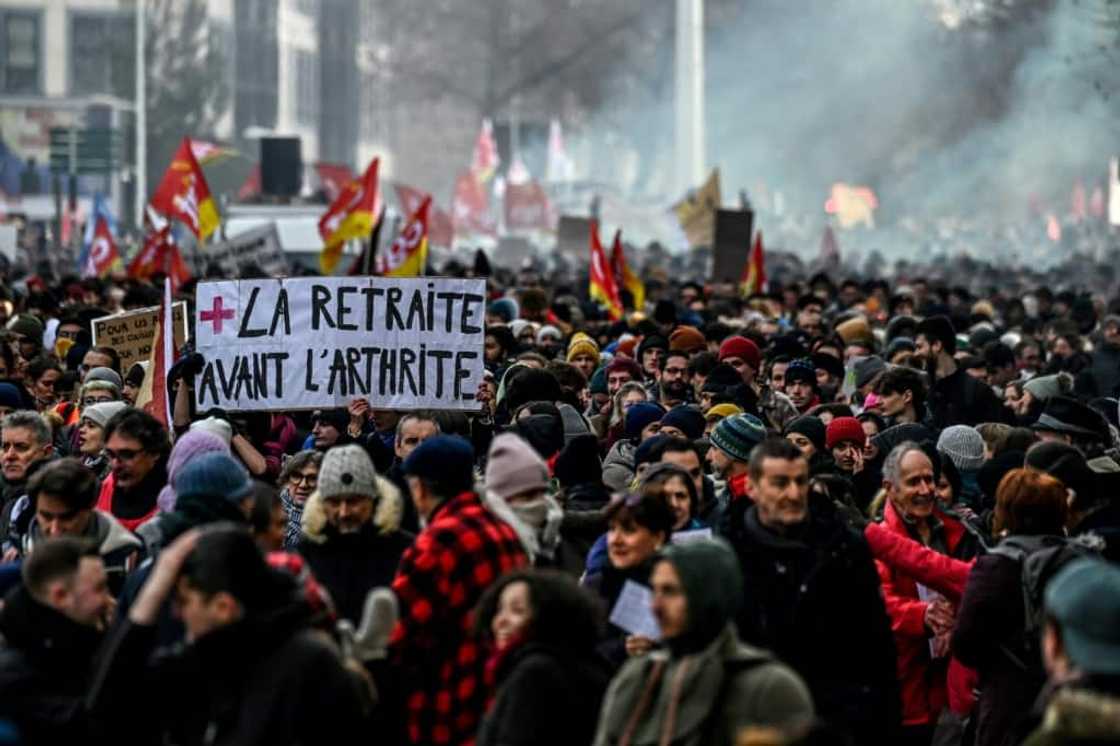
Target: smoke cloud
[[941, 116]]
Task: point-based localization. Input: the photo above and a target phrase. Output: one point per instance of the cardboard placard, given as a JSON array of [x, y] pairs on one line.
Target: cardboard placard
[[573, 236], [130, 333], [258, 247], [316, 342]]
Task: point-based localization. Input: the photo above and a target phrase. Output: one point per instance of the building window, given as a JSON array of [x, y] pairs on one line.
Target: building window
[[102, 54], [307, 87], [20, 52]]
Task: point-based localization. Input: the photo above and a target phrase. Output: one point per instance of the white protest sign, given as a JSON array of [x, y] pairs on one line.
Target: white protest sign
[[258, 247], [687, 537], [632, 611], [318, 342]]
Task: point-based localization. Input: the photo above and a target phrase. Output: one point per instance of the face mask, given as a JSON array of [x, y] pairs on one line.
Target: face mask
[[533, 513]]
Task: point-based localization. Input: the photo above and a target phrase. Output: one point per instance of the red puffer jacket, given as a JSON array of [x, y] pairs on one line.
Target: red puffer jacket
[[943, 574], [923, 681]]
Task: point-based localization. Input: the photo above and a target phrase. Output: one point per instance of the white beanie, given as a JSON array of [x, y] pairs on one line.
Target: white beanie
[[215, 425], [964, 446]]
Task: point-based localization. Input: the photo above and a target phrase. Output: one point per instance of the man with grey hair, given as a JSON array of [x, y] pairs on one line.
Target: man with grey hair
[[25, 445], [922, 621]]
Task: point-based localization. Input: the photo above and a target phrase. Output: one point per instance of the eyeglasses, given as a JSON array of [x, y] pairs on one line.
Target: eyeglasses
[[124, 454], [309, 479], [89, 401]]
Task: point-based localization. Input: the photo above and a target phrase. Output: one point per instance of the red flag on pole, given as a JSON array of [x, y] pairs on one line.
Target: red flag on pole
[[184, 195], [103, 252], [153, 397], [441, 231], [603, 288], [754, 273], [470, 208]]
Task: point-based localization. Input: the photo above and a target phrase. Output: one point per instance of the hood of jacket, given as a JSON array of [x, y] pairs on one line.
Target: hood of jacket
[[687, 686], [104, 530], [710, 605], [386, 515]]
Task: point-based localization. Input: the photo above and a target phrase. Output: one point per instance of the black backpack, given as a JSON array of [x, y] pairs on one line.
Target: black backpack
[[1039, 558]]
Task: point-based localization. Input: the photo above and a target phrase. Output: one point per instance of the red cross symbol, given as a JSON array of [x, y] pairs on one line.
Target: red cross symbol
[[216, 314]]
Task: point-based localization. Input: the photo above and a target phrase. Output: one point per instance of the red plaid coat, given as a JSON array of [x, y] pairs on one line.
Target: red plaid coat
[[463, 550]]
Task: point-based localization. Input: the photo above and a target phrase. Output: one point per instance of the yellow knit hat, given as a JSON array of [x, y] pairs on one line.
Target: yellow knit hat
[[581, 344]]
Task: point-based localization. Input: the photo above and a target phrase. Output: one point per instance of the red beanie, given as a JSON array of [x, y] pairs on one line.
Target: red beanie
[[742, 348], [625, 363], [843, 429]]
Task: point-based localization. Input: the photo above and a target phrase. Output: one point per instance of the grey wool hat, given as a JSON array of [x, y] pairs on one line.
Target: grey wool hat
[[347, 470]]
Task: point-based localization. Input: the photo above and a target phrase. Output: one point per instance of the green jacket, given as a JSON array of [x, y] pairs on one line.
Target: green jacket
[[704, 698]]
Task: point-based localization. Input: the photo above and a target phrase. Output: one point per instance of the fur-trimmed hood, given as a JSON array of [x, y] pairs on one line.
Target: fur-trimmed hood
[[386, 516]]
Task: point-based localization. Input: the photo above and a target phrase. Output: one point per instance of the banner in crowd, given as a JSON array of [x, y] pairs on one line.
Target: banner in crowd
[[527, 208], [733, 231], [697, 212], [319, 342], [258, 247], [130, 333]]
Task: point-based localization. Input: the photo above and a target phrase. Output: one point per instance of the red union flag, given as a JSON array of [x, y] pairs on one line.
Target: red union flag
[[527, 207], [333, 177], [184, 195], [485, 160], [471, 209], [441, 230], [603, 288], [408, 254], [103, 250], [351, 216], [159, 254]]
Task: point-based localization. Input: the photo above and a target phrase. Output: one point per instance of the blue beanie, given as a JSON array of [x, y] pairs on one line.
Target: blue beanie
[[640, 416], [9, 396], [688, 419], [645, 452], [504, 308], [737, 436], [213, 474], [444, 459]]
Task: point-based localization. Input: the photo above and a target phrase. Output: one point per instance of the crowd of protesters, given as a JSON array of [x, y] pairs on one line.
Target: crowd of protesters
[[842, 512]]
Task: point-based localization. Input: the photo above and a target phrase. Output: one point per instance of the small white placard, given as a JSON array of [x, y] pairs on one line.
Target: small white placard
[[696, 534], [633, 613]]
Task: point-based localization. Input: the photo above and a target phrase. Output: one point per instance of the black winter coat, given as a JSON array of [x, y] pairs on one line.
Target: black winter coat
[[547, 696], [45, 669], [960, 399], [351, 565], [267, 680], [991, 615], [815, 601]]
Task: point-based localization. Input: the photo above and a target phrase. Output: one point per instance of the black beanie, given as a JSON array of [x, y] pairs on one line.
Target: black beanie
[[578, 462], [811, 427]]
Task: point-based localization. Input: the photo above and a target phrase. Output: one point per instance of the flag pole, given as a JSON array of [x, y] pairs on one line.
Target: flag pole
[[374, 237], [141, 118]]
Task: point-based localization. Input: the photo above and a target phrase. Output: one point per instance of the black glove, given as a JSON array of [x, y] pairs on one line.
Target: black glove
[[187, 367]]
